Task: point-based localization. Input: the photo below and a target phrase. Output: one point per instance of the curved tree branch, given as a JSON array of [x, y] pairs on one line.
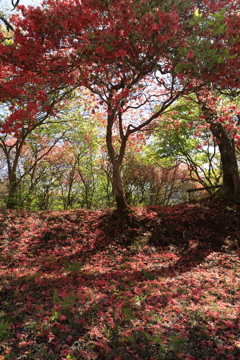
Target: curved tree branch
[[16, 4], [7, 23]]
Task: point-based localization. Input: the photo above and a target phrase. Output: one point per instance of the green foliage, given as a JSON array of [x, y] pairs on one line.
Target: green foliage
[[72, 266], [4, 328], [200, 48], [175, 131], [55, 316], [60, 165], [177, 343], [182, 136]]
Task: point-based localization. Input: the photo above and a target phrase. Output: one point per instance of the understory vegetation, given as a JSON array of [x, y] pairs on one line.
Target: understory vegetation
[[161, 283]]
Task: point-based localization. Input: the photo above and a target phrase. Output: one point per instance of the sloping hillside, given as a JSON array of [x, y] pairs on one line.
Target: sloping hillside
[[163, 283]]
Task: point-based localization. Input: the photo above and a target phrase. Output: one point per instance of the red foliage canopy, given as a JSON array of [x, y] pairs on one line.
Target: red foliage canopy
[[96, 42]]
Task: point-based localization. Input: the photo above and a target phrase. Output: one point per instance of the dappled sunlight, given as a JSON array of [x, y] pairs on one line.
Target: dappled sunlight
[[70, 290]]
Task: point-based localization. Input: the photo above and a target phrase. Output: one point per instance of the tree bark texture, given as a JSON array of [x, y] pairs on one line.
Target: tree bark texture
[[228, 158], [116, 162], [227, 153]]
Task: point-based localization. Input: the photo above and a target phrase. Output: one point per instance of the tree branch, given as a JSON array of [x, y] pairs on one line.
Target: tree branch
[[7, 23], [16, 4]]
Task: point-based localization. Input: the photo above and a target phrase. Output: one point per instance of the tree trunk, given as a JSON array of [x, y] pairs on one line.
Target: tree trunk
[[227, 152], [12, 201], [228, 160], [116, 161], [118, 187]]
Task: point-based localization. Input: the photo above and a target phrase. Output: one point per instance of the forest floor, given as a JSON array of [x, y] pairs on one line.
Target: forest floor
[[162, 284]]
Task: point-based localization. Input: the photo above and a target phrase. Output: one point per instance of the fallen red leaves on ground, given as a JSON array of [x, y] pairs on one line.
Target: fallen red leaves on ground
[[161, 284]]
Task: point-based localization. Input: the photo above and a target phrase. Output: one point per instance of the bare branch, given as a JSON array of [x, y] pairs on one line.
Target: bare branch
[[7, 23], [15, 5]]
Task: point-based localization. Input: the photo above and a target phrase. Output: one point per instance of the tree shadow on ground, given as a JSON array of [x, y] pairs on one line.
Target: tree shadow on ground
[[59, 290]]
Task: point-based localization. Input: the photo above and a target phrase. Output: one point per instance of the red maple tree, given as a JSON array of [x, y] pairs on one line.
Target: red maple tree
[[140, 56]]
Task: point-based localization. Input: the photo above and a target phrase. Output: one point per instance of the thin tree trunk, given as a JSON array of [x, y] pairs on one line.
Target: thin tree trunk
[[116, 164], [118, 187]]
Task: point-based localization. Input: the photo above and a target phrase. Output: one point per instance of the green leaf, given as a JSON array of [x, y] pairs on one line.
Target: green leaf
[[220, 29], [219, 60], [196, 15], [4, 328], [192, 22], [231, 56], [220, 14]]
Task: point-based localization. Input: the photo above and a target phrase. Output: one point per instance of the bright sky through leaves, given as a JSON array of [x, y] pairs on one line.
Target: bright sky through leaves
[[8, 4]]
